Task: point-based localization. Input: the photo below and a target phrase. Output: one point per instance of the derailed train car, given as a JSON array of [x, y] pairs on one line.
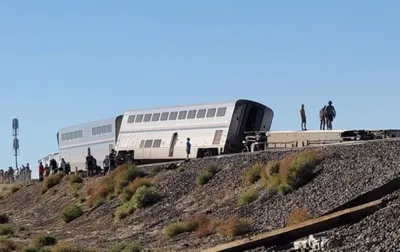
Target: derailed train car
[[160, 134]]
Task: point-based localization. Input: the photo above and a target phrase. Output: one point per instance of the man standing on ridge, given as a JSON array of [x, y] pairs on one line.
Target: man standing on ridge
[[322, 118], [330, 114], [303, 118]]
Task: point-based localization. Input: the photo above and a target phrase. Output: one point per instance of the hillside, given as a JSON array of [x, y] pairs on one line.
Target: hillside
[[345, 172]]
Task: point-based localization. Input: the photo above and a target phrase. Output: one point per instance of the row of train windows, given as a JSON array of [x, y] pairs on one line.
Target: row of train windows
[[71, 135], [101, 130], [181, 115], [150, 144]]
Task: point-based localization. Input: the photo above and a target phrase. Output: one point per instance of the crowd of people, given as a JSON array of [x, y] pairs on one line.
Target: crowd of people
[[326, 116], [21, 174]]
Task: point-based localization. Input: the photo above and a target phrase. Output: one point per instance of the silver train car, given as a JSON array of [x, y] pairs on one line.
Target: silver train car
[[159, 134], [100, 136]]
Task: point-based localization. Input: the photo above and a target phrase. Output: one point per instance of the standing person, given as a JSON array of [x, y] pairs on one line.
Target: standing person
[[322, 118], [106, 165], [330, 115], [303, 118], [41, 171], [188, 147], [89, 164], [113, 160]]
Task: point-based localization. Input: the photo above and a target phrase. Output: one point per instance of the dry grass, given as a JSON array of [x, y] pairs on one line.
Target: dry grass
[[70, 213], [234, 227], [69, 247], [253, 174], [6, 229], [130, 190], [125, 247], [298, 216], [113, 184], [7, 245], [206, 174], [291, 172], [248, 196], [53, 180]]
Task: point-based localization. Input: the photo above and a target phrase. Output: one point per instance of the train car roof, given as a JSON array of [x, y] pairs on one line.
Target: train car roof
[[87, 124]]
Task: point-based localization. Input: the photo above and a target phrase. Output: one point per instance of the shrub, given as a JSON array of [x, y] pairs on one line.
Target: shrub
[[175, 229], [99, 202], [6, 229], [113, 185], [298, 216], [68, 247], [145, 196], [130, 190], [234, 227], [73, 178], [7, 245], [44, 240], [71, 213], [4, 218], [53, 180], [181, 169], [248, 196], [206, 228], [125, 247], [291, 172], [206, 174], [31, 249], [123, 211], [253, 175]]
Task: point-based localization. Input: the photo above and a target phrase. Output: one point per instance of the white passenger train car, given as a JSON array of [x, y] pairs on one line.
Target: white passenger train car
[[158, 134], [46, 160], [99, 136]]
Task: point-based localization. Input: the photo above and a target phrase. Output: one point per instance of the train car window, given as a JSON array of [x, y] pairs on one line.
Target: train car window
[[75, 134], [164, 116], [103, 129], [98, 130], [66, 136], [156, 117], [211, 112], [147, 118], [173, 115], [80, 134], [141, 144], [71, 135], [93, 131], [109, 128], [148, 144], [62, 137], [221, 112], [157, 143], [182, 115], [201, 113], [191, 114], [139, 118], [131, 118]]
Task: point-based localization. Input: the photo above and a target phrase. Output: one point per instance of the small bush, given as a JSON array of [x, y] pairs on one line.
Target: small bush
[[73, 178], [44, 240], [248, 196], [126, 175], [123, 211], [130, 190], [7, 245], [4, 218], [206, 174], [99, 202], [53, 180], [181, 169], [31, 249], [298, 216], [234, 227], [291, 172], [175, 229], [125, 247], [145, 196], [6, 229], [67, 247], [71, 213], [253, 175]]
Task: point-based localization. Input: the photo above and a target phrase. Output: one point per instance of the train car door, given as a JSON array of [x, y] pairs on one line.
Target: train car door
[[174, 139]]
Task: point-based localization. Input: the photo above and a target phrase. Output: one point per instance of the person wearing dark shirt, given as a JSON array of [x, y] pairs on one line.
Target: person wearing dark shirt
[[330, 114], [303, 118], [188, 147], [113, 162]]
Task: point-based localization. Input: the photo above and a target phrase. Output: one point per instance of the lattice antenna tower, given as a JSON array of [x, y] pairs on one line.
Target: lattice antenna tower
[[15, 129]]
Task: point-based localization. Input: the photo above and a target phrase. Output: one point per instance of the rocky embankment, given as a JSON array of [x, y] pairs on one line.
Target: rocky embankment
[[346, 172]]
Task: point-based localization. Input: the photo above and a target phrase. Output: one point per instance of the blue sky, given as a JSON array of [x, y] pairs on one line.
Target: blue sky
[[64, 63]]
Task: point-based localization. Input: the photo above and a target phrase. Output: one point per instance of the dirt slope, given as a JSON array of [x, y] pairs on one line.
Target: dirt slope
[[346, 172]]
